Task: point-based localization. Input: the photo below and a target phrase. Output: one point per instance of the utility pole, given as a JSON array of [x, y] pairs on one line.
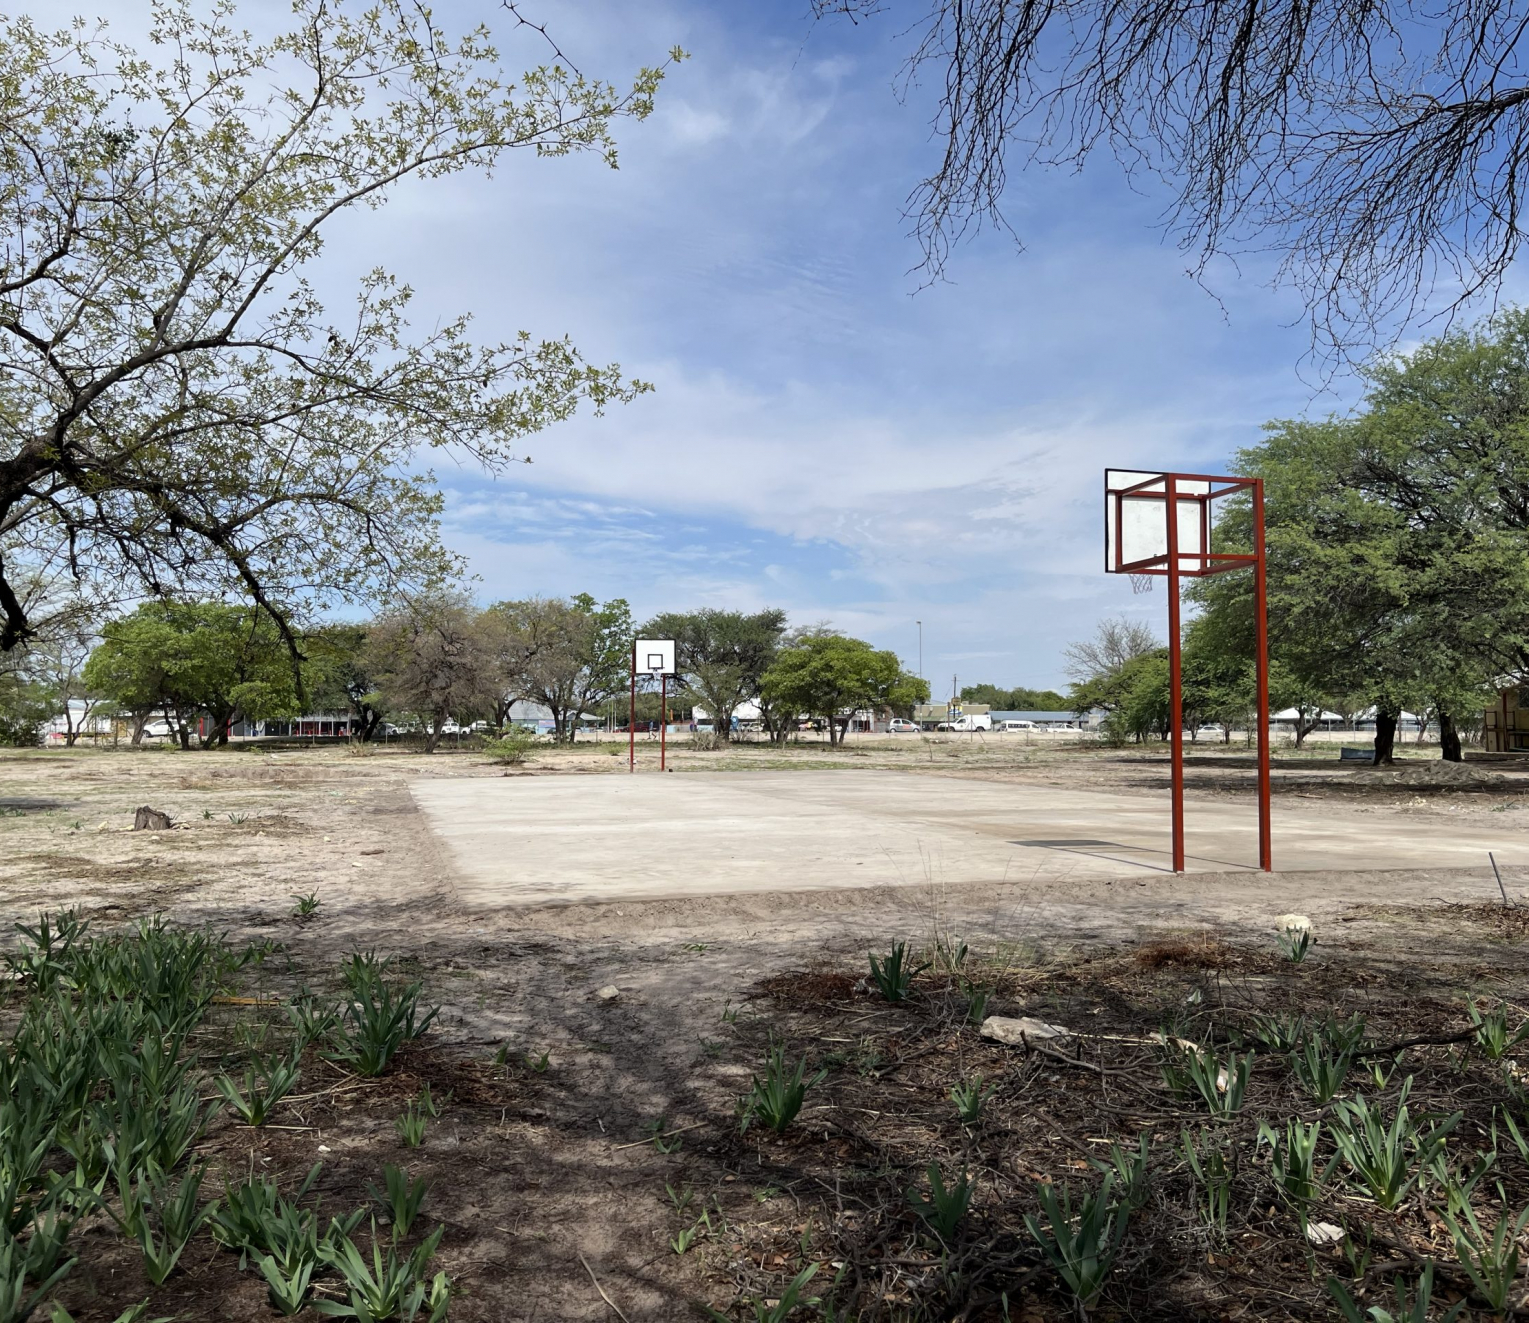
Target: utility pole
[[920, 625]]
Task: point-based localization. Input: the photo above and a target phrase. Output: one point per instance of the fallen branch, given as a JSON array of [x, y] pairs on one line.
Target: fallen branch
[[638, 1143], [601, 1289]]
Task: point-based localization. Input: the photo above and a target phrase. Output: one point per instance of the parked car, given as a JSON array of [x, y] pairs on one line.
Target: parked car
[[901, 726], [983, 722]]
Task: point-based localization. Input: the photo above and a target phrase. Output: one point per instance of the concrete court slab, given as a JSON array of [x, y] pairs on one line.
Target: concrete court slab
[[561, 839]]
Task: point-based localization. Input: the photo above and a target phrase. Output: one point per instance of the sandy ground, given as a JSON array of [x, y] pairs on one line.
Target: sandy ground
[[257, 828]]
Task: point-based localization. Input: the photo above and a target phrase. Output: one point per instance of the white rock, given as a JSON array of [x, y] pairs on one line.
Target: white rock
[[1006, 1029], [609, 992], [1323, 1233]]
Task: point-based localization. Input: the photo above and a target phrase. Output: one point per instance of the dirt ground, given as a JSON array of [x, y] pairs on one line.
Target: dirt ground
[[545, 1176]]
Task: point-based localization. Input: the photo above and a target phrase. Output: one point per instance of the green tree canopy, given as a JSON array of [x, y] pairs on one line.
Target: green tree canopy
[[340, 678], [721, 655], [827, 675], [1019, 699], [177, 407], [203, 664], [1398, 538]]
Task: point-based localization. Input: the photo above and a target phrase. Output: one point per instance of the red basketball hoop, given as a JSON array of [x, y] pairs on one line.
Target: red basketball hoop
[[1162, 525]]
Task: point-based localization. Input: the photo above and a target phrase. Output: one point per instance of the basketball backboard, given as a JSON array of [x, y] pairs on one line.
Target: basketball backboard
[[1136, 522], [654, 657]]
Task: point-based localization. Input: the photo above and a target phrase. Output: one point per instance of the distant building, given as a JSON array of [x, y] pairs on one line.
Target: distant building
[[1051, 720]]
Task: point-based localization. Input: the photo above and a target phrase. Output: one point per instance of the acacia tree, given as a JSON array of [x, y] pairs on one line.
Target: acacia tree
[[827, 675], [721, 655], [1116, 641], [339, 677], [1381, 149], [431, 659], [1398, 539], [570, 655], [204, 665], [179, 410]]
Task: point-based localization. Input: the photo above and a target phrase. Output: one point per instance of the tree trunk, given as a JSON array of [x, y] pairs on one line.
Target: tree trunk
[[139, 723], [433, 731], [1385, 738], [1449, 738], [1303, 728]]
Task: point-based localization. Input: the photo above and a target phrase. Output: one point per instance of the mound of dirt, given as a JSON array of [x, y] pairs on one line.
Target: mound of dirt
[[1437, 774]]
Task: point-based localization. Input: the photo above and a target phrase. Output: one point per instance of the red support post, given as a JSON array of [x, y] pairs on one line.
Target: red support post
[[1261, 628], [1175, 678], [663, 720], [631, 721]]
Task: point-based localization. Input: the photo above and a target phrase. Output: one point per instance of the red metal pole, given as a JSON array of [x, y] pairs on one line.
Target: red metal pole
[[1261, 628], [1175, 678], [663, 719], [631, 721]]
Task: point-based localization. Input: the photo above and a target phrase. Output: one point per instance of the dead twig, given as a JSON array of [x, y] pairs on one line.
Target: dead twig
[[601, 1289], [638, 1143]]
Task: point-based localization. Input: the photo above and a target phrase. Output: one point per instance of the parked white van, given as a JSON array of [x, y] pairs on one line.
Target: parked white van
[[1015, 725]]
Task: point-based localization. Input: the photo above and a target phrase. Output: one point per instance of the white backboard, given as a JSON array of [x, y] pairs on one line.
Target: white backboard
[[654, 657], [1136, 521]]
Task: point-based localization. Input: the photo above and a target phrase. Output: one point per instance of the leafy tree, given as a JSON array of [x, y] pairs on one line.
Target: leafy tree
[[25, 707], [570, 655], [721, 655], [1378, 148], [1018, 699], [1398, 539], [826, 675], [200, 663], [339, 677], [432, 660], [179, 408], [1133, 694]]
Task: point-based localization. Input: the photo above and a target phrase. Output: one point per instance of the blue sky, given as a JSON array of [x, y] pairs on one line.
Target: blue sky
[[824, 435]]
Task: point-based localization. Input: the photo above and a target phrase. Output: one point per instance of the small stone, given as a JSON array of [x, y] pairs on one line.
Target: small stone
[[1323, 1233], [323, 1148], [609, 992], [1005, 1029]]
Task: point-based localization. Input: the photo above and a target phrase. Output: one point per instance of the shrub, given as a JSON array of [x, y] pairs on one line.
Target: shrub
[[512, 748]]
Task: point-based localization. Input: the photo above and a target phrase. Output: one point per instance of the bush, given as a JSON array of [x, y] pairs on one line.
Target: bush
[[512, 748], [1115, 730], [24, 710]]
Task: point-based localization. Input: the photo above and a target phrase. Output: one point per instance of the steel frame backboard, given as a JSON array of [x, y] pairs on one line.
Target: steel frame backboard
[[1136, 522], [1161, 524]]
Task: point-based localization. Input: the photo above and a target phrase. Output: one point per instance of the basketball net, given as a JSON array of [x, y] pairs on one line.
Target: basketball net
[[1140, 583]]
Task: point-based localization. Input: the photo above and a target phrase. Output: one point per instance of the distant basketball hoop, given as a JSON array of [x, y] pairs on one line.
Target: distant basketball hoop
[[1161, 525], [653, 658]]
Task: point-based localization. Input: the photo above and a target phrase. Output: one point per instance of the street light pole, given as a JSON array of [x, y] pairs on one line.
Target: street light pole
[[920, 625]]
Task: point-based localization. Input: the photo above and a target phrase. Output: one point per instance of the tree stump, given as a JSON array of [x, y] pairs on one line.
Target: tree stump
[[151, 819]]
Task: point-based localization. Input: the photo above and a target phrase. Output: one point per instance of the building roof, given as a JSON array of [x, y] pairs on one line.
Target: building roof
[[1034, 714]]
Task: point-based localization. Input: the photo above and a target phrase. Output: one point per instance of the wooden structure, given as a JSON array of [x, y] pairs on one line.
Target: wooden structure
[[1505, 725]]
